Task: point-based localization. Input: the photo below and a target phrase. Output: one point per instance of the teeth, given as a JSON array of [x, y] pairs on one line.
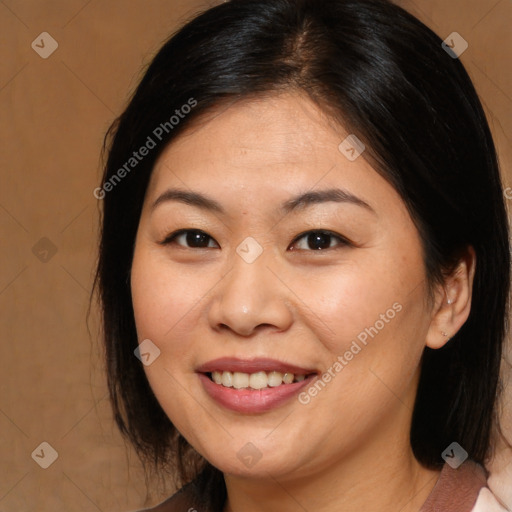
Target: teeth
[[227, 379], [288, 378], [275, 379], [258, 380], [240, 380]]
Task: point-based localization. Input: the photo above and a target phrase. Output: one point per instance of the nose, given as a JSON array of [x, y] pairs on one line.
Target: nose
[[251, 298]]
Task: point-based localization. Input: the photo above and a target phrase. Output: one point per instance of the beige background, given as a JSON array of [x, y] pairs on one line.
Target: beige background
[[54, 114]]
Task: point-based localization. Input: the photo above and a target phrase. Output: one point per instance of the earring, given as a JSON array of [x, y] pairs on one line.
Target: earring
[[444, 334], [449, 301]]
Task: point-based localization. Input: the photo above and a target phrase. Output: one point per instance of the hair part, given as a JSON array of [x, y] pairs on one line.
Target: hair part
[[383, 75]]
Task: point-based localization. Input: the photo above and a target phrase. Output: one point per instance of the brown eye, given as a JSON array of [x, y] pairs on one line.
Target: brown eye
[[190, 238], [320, 240]]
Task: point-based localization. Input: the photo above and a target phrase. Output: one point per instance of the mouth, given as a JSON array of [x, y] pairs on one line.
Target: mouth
[[253, 386], [257, 380]]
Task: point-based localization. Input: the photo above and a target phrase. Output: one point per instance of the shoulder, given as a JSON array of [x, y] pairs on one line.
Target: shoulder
[[488, 502], [183, 501], [457, 490], [463, 489], [205, 493]]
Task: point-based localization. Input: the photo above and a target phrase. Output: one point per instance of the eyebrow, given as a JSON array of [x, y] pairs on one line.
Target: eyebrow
[[336, 195], [299, 202]]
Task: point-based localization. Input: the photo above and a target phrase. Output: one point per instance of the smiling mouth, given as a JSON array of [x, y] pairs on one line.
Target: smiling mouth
[[256, 381]]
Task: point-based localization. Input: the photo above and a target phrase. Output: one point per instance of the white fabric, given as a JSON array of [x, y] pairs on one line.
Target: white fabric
[[487, 502], [500, 482]]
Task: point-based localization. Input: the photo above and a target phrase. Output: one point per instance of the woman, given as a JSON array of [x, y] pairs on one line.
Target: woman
[[305, 246]]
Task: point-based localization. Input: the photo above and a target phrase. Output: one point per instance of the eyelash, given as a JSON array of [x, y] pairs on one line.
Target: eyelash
[[343, 242]]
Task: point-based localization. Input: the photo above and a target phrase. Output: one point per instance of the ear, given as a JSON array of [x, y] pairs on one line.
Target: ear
[[452, 302]]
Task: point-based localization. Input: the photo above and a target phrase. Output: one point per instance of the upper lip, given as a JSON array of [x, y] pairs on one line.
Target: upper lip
[[233, 364]]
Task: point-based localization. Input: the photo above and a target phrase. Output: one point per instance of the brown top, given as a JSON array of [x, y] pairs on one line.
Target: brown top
[[455, 491]]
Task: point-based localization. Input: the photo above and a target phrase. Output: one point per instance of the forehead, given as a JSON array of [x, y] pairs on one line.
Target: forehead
[[285, 127], [283, 142]]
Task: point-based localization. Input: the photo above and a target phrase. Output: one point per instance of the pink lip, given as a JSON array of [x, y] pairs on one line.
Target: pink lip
[[252, 400], [233, 364]]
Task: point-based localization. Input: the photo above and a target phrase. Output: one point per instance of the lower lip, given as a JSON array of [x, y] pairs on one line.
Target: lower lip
[[252, 400]]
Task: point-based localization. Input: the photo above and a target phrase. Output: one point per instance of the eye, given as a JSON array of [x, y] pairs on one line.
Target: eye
[[195, 238], [320, 240]]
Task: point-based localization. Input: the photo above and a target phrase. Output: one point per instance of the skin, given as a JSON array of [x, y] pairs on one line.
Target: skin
[[348, 448]]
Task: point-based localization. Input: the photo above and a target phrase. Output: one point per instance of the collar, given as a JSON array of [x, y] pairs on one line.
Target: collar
[[456, 490]]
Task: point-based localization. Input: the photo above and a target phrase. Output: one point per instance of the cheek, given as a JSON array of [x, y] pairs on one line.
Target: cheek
[[165, 298], [165, 301], [372, 362], [376, 318], [356, 299]]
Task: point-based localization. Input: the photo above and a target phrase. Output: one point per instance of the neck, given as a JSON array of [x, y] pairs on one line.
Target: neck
[[387, 490], [381, 475]]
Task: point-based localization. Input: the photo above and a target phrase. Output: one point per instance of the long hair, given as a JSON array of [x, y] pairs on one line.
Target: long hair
[[384, 76]]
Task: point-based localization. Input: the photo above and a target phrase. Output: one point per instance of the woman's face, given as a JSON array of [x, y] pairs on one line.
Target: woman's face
[[314, 310]]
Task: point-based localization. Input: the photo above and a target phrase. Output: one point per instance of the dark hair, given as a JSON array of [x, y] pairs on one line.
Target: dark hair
[[385, 77]]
